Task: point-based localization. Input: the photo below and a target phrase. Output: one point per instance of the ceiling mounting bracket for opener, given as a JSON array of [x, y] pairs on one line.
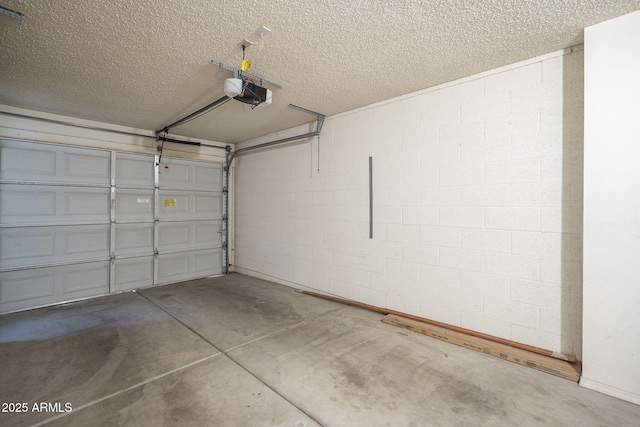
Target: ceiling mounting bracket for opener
[[237, 73]]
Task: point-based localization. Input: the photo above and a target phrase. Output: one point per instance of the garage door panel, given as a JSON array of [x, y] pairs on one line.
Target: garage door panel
[[173, 236], [20, 164], [207, 263], [133, 239], [209, 177], [87, 168], [174, 173], [87, 202], [29, 246], [133, 273], [84, 242], [134, 205], [174, 204], [180, 236], [86, 279], [27, 285], [190, 174], [18, 246], [41, 286], [20, 203], [207, 233], [189, 205], [208, 204], [36, 204], [37, 162], [182, 266], [134, 170], [173, 268]]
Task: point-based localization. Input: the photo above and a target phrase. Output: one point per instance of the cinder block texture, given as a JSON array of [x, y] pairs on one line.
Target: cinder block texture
[[477, 204]]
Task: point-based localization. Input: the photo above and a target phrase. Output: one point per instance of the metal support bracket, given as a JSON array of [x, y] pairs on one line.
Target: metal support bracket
[[237, 73], [230, 155], [319, 123]]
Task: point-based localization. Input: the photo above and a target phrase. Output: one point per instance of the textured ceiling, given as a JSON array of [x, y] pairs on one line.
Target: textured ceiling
[[146, 63]]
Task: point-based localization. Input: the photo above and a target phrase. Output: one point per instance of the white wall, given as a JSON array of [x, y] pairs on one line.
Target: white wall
[[477, 204], [612, 208]]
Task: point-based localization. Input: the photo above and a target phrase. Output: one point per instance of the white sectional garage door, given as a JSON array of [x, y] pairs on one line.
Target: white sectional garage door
[[133, 226], [78, 222], [189, 220]]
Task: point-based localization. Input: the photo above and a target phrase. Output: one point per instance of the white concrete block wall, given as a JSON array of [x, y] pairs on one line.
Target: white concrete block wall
[[477, 204]]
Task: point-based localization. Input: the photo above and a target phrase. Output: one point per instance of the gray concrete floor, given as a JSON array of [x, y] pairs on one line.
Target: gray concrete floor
[[238, 351]]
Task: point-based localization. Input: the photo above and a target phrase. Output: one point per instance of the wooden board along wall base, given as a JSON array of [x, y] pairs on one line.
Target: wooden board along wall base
[[561, 368]]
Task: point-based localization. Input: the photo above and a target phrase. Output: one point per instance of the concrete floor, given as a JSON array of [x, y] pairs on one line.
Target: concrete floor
[[238, 351]]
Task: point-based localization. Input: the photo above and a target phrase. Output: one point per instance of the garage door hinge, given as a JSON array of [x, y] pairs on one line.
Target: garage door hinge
[[113, 258], [156, 253]]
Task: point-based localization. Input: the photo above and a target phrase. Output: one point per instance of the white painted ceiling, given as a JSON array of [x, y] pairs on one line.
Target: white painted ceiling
[[146, 63]]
